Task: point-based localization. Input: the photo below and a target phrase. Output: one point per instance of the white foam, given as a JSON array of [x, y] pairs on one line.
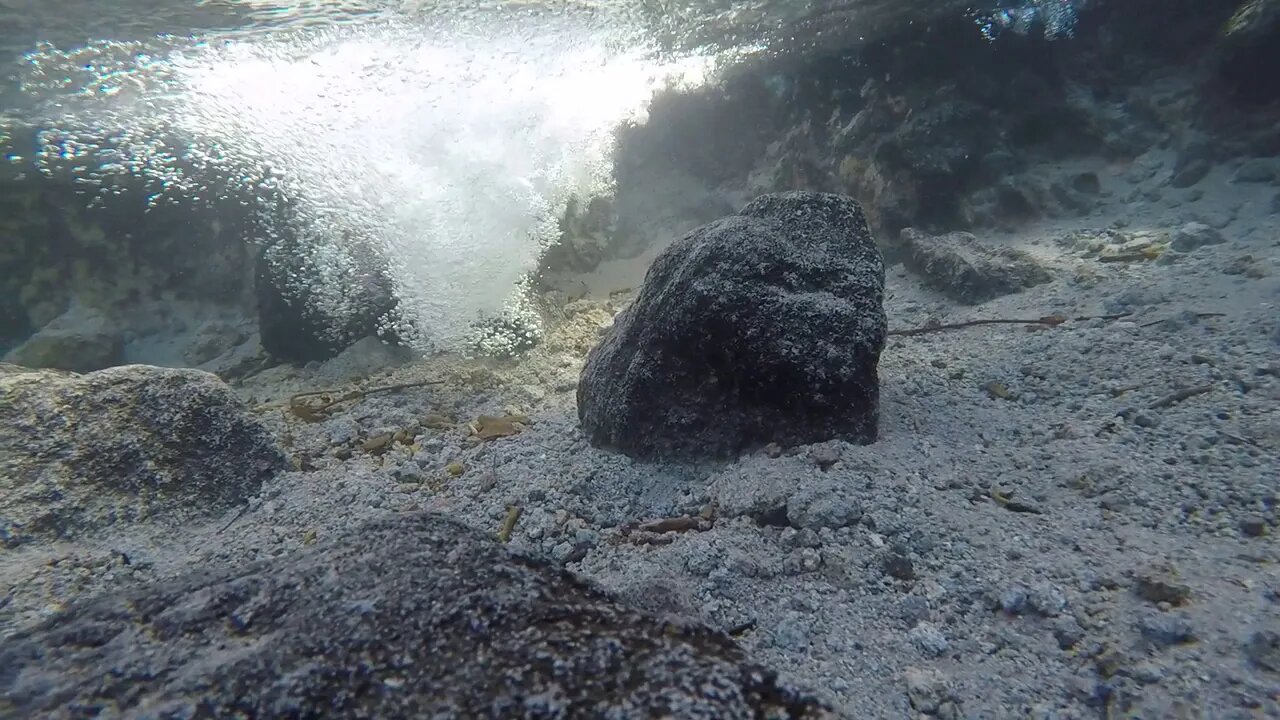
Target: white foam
[[448, 150]]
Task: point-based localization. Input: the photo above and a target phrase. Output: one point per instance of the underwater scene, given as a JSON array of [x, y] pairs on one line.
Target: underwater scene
[[560, 359]]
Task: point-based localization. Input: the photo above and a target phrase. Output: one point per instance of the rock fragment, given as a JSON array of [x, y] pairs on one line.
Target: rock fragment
[[967, 270]]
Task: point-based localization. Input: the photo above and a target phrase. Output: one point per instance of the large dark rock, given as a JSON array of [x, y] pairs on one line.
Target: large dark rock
[[79, 453], [413, 615], [765, 326]]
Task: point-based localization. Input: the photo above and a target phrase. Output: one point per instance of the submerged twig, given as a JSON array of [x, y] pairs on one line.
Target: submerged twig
[[1176, 397], [1046, 321], [1199, 316], [239, 514], [663, 530], [314, 413]]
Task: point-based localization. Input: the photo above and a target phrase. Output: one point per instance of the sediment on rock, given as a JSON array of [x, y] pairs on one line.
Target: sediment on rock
[[421, 616]]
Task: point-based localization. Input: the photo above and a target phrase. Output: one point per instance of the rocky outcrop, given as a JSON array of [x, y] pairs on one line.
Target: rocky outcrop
[[79, 453], [765, 326], [418, 616], [967, 270]]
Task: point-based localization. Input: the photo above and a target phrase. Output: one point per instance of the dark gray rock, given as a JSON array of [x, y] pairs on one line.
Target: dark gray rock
[[213, 340], [967, 270], [1166, 629], [1071, 199], [1087, 183], [832, 505], [1263, 650], [765, 326], [76, 350], [81, 452], [1190, 173], [412, 615], [1256, 170], [79, 340], [1194, 235]]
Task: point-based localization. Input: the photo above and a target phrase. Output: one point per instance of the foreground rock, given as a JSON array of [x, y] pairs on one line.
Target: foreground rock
[[765, 326], [410, 616], [82, 452], [967, 270]]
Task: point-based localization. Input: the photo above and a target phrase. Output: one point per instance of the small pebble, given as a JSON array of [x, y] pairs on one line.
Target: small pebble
[[1253, 526], [929, 639], [1166, 629]]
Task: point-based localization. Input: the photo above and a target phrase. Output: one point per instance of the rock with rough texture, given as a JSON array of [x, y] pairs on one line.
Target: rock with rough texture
[[82, 452], [765, 326], [413, 615], [79, 340], [967, 270], [76, 351], [1193, 235]]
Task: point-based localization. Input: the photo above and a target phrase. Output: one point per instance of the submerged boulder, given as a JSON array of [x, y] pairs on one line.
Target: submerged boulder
[[73, 350], [78, 341], [967, 270], [81, 452], [413, 615], [765, 326]]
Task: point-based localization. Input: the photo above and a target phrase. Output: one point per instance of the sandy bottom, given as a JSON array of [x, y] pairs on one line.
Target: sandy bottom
[[1046, 528]]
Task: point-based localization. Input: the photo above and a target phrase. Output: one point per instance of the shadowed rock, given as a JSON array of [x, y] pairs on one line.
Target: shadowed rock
[[81, 452], [765, 326], [967, 270], [412, 615]]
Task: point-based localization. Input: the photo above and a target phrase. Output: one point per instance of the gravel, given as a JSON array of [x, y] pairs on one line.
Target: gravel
[[1077, 545]]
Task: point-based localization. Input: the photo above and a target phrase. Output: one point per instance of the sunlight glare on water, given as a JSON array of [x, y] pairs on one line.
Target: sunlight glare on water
[[447, 147]]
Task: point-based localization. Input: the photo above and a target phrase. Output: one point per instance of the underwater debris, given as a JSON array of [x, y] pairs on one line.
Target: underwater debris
[[1006, 501], [239, 514], [316, 405], [1195, 315], [509, 522], [437, 421], [378, 444], [663, 530], [1149, 252], [1174, 398], [1000, 391], [492, 427], [1045, 321]]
